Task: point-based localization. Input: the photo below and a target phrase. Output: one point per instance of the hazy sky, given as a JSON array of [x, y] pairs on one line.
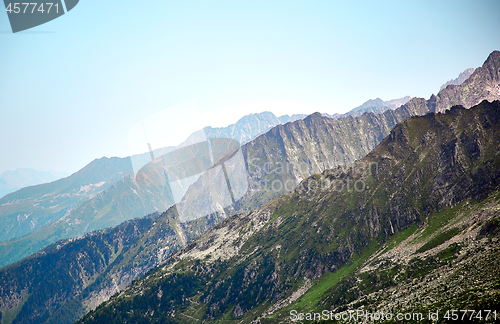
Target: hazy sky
[[72, 89]]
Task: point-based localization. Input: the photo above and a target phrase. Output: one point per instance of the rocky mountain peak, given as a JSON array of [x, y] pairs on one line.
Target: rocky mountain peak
[[483, 84]]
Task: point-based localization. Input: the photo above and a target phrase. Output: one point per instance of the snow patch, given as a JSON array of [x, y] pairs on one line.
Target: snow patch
[[22, 218], [86, 188]]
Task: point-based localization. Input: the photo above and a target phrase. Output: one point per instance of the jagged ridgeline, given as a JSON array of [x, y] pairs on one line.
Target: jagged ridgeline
[[86, 271], [431, 188], [289, 153], [303, 147], [102, 194]]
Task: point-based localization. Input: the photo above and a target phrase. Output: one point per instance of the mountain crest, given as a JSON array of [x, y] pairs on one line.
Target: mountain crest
[[483, 84], [286, 254]]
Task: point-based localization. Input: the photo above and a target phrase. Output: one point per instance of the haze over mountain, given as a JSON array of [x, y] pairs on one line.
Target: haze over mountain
[[249, 127], [11, 181], [31, 208], [483, 84], [133, 258], [129, 259], [436, 177], [102, 194]]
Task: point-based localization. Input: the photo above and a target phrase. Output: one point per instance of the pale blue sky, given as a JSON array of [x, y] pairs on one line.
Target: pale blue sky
[[71, 89]]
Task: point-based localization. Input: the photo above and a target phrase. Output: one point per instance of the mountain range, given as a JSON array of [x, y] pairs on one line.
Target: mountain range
[[433, 191], [38, 216], [102, 194], [290, 153], [376, 106], [89, 269], [279, 159]]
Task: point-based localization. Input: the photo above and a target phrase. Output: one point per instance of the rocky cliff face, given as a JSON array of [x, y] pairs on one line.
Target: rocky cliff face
[[483, 84], [279, 159], [255, 264]]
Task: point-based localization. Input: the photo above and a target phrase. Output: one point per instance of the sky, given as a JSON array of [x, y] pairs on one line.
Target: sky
[[71, 90]]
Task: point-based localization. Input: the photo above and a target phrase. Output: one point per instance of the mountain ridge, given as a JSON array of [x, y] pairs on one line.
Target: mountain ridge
[[415, 105], [460, 79], [13, 180], [314, 143], [58, 197], [244, 265], [376, 106], [483, 84], [78, 212]]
